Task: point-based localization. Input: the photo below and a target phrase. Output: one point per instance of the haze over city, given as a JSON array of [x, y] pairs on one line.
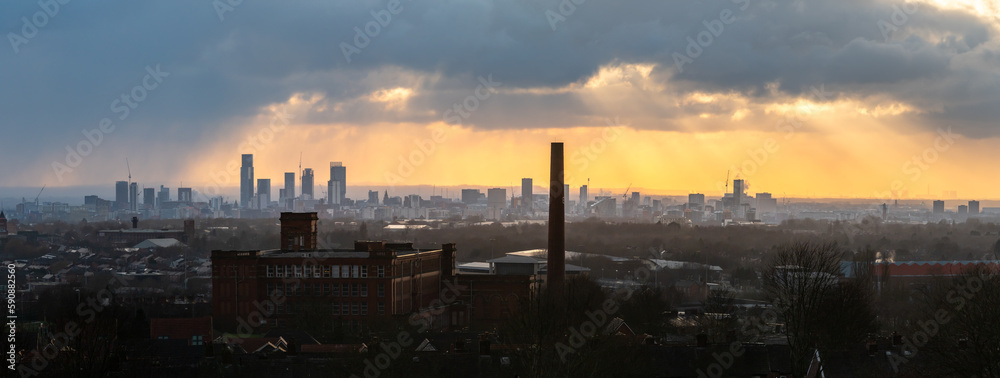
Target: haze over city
[[473, 188]]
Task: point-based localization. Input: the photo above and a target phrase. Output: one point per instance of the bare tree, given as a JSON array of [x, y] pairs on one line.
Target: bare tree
[[803, 282], [962, 327]]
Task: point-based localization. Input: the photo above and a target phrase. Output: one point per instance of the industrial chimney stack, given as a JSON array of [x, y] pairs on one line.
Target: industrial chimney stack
[[557, 220]]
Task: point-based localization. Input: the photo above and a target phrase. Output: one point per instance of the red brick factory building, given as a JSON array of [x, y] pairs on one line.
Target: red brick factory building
[[375, 280]]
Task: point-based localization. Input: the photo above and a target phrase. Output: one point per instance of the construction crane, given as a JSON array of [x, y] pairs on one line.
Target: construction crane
[[727, 183], [625, 196], [39, 194]]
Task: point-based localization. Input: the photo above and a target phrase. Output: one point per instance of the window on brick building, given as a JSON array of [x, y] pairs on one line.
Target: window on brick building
[[364, 308], [364, 271], [364, 290], [355, 272], [336, 271], [326, 271], [380, 271], [270, 271], [381, 290], [354, 290], [381, 308]]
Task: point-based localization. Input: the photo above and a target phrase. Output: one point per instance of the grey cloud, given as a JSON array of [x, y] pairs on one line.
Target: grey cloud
[[65, 77]]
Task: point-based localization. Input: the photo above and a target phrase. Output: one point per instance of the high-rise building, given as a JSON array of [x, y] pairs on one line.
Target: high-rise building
[[527, 194], [246, 181], [184, 195], [696, 201], [766, 203], [963, 210], [496, 197], [737, 194], [307, 184], [289, 185], [413, 200], [973, 207], [496, 200], [584, 197], [470, 196], [121, 195], [338, 178], [149, 197], [164, 196], [263, 193], [938, 207], [737, 204], [133, 197], [373, 197]]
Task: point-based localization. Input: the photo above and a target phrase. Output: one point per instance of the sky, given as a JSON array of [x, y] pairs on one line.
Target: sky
[[804, 98]]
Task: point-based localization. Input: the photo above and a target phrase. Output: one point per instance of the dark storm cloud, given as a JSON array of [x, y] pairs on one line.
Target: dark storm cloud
[[221, 71]]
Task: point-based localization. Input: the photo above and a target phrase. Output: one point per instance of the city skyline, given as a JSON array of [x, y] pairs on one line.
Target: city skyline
[[552, 188]]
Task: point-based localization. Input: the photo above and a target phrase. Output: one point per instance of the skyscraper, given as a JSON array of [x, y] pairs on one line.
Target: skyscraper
[[373, 197], [496, 197], [184, 195], [263, 193], [696, 201], [939, 207], [766, 203], [133, 197], [246, 181], [973, 207], [338, 182], [307, 183], [737, 204], [164, 196], [149, 197], [121, 195], [290, 184], [470, 196], [527, 194], [584, 197]]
